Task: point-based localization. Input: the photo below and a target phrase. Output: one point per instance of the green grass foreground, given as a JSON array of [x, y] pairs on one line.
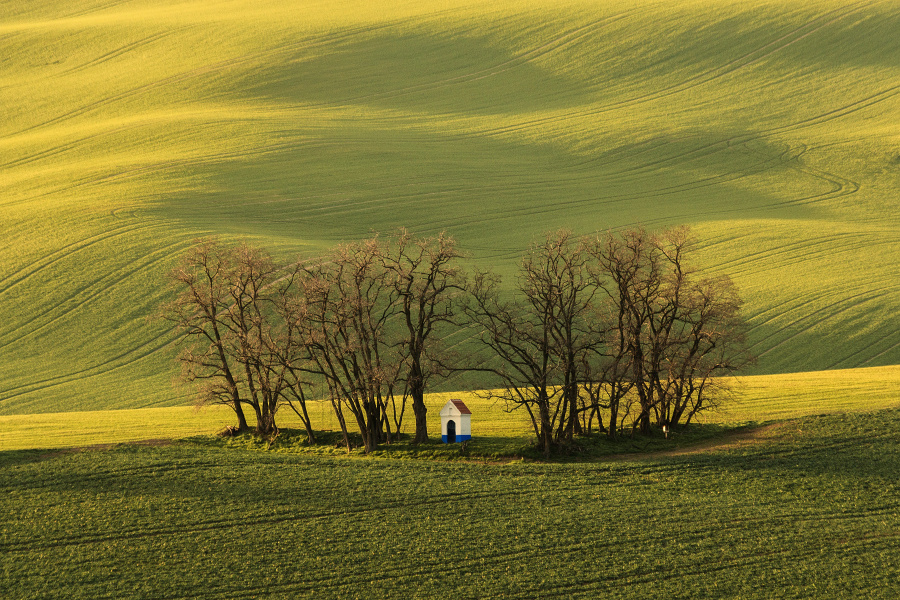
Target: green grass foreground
[[809, 508]]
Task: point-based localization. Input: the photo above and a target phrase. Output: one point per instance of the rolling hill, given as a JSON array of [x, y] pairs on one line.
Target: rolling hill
[[131, 128]]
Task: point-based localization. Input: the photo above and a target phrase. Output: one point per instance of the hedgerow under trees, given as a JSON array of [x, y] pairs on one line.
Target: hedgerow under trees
[[612, 332]]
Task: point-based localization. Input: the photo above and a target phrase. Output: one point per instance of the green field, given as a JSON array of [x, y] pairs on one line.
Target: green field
[[806, 509], [806, 506], [131, 128]]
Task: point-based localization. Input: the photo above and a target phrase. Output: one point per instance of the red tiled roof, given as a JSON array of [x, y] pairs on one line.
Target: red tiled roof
[[462, 408]]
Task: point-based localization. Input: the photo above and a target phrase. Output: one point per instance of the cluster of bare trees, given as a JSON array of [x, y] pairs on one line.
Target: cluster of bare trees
[[361, 325], [616, 326]]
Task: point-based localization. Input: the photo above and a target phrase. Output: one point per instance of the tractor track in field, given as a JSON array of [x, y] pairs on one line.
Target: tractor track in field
[[121, 50], [800, 325], [121, 360], [58, 149], [168, 165], [94, 9], [839, 186], [867, 347], [345, 541], [33, 268], [86, 292], [195, 73], [745, 60], [215, 524], [775, 257], [764, 164]]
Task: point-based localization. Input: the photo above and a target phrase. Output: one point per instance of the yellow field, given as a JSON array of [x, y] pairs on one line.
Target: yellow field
[[760, 399]]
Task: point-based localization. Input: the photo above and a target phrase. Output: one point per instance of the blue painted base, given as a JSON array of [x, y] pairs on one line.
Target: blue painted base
[[459, 438]]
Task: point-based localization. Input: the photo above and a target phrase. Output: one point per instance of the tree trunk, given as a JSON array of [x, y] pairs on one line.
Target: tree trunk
[[336, 405], [421, 413], [613, 418], [310, 437], [242, 420], [644, 422]]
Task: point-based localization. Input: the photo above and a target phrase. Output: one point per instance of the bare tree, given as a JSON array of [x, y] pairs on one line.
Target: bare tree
[[555, 278], [546, 339], [349, 306], [712, 345], [427, 283], [239, 345], [676, 332], [520, 341], [198, 312], [287, 346], [248, 317]]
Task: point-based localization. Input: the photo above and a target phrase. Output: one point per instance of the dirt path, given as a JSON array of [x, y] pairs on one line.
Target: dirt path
[[728, 441]]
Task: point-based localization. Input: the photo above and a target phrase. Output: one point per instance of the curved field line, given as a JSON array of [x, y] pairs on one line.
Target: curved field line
[[822, 251], [66, 307], [524, 553], [750, 59], [29, 270], [868, 295], [882, 353], [791, 305], [194, 73], [697, 80], [841, 186], [786, 248], [836, 113], [289, 515], [765, 164], [91, 10], [103, 368], [202, 160], [62, 148], [867, 347], [359, 577], [513, 212], [118, 52], [796, 303], [736, 144]]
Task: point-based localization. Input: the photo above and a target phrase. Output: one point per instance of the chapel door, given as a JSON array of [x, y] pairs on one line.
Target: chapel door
[[451, 432]]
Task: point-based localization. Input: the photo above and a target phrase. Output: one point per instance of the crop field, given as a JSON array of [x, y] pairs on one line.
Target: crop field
[[808, 508], [130, 128]]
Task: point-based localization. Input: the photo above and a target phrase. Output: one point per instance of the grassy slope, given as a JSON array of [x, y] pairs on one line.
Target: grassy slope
[[130, 128], [809, 511]]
